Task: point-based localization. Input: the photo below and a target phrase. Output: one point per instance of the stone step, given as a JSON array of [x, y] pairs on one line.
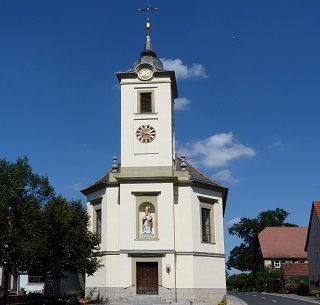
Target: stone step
[[141, 300]]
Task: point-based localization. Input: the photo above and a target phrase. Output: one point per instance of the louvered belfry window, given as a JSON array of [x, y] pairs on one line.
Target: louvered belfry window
[[206, 230], [145, 102]]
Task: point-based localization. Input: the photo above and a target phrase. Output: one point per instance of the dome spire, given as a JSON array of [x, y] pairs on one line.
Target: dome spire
[[148, 46], [148, 56]]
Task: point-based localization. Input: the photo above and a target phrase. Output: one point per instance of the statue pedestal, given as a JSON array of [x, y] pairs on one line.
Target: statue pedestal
[[147, 236]]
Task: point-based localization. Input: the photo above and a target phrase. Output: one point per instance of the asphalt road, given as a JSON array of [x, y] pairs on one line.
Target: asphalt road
[[252, 298]]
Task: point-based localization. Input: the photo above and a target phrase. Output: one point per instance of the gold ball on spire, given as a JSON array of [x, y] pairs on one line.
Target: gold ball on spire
[[148, 25]]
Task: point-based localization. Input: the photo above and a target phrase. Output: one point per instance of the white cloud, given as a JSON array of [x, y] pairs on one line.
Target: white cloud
[[216, 151], [183, 71], [181, 103], [77, 187], [277, 144], [225, 175], [232, 221]]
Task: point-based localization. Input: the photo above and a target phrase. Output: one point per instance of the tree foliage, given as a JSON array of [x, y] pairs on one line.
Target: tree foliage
[[268, 280], [39, 231], [242, 257], [241, 281], [72, 246], [22, 195]]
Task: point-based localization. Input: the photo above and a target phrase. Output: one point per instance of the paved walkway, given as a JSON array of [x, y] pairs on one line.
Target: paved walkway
[[299, 297], [232, 300]]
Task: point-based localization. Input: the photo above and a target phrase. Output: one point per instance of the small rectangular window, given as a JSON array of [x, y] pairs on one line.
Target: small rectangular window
[[206, 229], [277, 264], [35, 279], [98, 221], [145, 102]]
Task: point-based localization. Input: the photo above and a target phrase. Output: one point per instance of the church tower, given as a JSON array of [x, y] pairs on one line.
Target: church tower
[[147, 100], [160, 219]]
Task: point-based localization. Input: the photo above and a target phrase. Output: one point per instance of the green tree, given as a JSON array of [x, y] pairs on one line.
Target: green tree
[[22, 195], [268, 280], [242, 257], [70, 245], [41, 232], [241, 281]]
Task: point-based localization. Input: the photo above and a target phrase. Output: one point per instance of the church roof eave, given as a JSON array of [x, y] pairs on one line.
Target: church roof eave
[[198, 178], [219, 189], [97, 185]]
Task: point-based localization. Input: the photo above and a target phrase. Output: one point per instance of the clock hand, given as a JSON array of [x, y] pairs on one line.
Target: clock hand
[[150, 132]]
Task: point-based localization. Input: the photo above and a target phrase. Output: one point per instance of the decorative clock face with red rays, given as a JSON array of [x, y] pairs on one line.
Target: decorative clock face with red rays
[[146, 133]]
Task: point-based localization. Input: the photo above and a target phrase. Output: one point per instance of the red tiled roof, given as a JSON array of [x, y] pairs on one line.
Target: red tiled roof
[[297, 269], [283, 242], [316, 209], [316, 206]]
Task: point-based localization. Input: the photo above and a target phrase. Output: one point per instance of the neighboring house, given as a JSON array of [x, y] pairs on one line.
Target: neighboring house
[[69, 283], [159, 217], [22, 280], [290, 270], [294, 278], [312, 246], [277, 245]]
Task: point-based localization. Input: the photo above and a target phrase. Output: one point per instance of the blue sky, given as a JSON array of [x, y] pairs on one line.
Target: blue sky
[[248, 75]]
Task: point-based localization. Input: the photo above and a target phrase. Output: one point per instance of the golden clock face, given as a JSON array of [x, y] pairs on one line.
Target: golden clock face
[[146, 133]]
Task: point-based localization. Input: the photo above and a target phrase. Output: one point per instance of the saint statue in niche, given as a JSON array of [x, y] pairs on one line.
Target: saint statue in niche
[[147, 221]]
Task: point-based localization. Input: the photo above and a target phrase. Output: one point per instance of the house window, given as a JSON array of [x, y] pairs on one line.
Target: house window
[[98, 221], [206, 226], [277, 264], [145, 102], [35, 279]]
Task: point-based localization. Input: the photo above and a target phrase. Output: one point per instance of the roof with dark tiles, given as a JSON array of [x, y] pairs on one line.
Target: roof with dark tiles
[[195, 175]]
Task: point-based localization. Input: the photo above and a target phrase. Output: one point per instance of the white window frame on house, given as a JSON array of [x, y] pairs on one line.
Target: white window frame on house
[[207, 223], [35, 279], [277, 264]]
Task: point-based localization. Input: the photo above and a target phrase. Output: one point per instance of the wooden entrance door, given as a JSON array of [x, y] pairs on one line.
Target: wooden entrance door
[[147, 278]]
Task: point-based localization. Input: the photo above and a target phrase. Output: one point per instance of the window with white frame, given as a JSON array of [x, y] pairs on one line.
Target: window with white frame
[[277, 264], [35, 279]]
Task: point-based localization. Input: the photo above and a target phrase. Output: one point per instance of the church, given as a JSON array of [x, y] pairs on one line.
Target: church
[[159, 217]]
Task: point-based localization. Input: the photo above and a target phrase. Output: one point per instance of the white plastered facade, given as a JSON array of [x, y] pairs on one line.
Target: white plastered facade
[[187, 268]]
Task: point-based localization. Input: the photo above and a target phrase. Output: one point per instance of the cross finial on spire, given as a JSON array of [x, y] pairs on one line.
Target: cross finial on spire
[[148, 47], [148, 9]]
